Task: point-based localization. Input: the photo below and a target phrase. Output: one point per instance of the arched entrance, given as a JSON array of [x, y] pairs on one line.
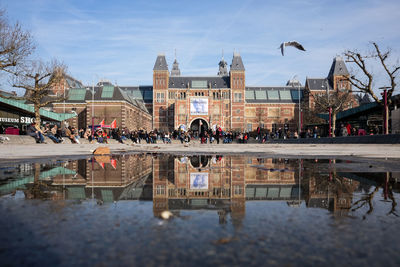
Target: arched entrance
[[198, 126], [199, 161]]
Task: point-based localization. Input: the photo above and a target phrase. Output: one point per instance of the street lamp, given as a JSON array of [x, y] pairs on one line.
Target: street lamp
[[386, 110], [298, 88], [92, 109]]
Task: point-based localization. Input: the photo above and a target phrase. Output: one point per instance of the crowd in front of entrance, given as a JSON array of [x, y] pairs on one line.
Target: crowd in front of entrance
[[204, 136]]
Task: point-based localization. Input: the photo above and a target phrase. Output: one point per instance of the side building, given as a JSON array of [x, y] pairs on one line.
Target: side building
[[105, 102]]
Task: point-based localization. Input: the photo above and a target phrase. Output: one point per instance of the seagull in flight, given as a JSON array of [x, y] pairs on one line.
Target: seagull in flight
[[292, 43]]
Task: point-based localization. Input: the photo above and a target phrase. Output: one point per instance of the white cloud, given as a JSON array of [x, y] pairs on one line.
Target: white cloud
[[123, 41]]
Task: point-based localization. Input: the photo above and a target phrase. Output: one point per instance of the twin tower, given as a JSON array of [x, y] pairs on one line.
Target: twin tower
[[175, 96]]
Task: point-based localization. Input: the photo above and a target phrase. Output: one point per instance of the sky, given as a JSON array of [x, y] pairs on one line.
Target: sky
[[119, 40]]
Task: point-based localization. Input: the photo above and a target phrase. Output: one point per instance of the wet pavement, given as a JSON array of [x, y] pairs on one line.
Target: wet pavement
[[225, 210]]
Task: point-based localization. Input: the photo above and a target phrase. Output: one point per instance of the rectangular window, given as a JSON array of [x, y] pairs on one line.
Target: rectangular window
[[77, 94], [107, 92], [249, 95], [171, 95], [285, 95], [199, 84], [261, 95], [160, 190], [249, 127], [238, 190], [238, 97], [160, 98], [273, 95]]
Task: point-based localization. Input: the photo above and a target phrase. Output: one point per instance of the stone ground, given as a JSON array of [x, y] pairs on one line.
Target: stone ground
[[10, 152]]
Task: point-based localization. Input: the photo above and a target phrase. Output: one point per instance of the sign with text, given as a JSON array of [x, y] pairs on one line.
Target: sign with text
[[23, 120], [198, 106]]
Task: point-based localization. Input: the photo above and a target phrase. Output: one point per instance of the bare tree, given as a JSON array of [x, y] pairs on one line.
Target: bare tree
[[365, 82], [38, 79], [337, 101], [16, 44], [309, 115]]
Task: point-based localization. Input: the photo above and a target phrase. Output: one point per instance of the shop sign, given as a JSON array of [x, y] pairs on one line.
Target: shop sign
[[9, 120], [27, 120], [24, 120]]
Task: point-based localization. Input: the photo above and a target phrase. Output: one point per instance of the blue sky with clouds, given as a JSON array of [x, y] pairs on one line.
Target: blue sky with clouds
[[120, 40]]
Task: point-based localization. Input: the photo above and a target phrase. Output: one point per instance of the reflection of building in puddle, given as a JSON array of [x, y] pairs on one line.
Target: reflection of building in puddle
[[333, 192], [108, 178], [198, 182], [34, 179], [220, 183]]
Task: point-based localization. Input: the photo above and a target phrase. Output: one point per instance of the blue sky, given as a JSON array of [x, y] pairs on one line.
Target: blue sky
[[119, 40]]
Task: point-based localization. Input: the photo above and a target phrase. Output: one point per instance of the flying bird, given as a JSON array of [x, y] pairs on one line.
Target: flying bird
[[292, 43]]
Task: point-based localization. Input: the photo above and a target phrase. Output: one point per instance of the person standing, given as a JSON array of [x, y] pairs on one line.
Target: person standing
[[348, 128], [217, 133], [315, 132]]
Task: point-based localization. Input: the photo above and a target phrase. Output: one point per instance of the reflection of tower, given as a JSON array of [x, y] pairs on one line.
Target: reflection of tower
[[238, 207], [222, 216], [161, 170]]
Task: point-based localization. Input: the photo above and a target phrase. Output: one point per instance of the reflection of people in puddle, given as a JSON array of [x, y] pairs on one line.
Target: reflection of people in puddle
[[199, 181]]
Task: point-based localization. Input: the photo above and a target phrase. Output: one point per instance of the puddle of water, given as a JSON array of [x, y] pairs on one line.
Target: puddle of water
[[222, 209]]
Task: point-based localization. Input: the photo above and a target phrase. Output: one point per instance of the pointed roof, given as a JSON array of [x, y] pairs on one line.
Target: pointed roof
[[318, 84], [237, 63], [338, 68], [175, 69], [161, 63]]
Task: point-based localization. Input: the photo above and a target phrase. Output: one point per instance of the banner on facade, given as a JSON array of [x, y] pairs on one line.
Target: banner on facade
[[199, 181], [199, 106]]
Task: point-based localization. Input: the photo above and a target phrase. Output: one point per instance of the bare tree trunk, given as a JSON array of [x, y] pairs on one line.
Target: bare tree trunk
[[333, 123], [37, 117]]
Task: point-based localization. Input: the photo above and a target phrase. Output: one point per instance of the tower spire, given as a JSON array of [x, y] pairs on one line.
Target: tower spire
[[175, 67], [223, 70]]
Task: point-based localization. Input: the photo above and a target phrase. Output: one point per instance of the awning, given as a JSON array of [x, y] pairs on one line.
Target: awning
[[44, 113]]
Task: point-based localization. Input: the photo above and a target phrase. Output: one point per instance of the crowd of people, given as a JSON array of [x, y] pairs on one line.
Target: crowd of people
[[205, 135]]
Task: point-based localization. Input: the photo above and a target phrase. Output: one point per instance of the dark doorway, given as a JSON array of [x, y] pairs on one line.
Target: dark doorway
[[198, 127]]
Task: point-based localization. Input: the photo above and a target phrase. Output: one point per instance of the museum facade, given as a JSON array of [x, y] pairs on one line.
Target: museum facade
[[224, 100]]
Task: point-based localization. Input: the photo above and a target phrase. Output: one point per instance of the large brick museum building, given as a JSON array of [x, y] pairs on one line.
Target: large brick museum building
[[225, 100], [175, 101]]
